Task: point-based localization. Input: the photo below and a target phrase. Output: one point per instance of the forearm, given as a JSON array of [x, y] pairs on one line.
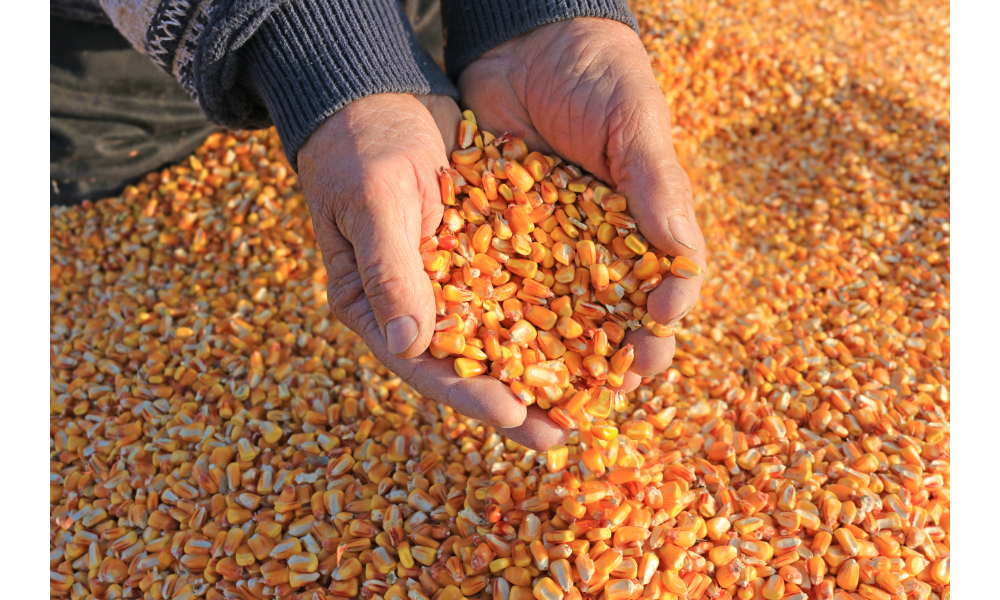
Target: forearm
[[251, 63]]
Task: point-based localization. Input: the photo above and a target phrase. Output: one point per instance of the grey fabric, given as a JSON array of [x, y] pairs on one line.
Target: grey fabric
[[113, 116], [88, 11]]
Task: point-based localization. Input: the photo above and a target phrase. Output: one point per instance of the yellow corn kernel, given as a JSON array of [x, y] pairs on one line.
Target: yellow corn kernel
[[466, 367], [557, 456], [546, 589]]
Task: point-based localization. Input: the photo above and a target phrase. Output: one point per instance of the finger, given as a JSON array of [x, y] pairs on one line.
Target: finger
[[653, 355], [371, 172], [482, 398], [537, 432], [644, 164], [630, 382], [386, 233], [446, 116], [659, 202], [676, 296]]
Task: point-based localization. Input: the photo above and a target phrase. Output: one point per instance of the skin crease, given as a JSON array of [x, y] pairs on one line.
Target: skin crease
[[581, 88]]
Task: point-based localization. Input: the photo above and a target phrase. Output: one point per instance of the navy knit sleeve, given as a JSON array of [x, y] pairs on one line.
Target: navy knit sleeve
[[473, 27], [310, 58]]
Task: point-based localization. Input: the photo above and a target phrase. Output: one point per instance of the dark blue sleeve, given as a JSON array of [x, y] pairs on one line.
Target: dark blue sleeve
[[473, 27], [296, 63]]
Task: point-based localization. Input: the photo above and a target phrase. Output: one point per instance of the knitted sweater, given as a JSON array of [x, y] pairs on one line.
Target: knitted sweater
[[293, 63]]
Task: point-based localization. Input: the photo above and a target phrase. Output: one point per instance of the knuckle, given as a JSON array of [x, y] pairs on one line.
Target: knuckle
[[386, 181], [448, 397], [345, 292], [374, 181], [341, 269], [672, 187], [373, 184], [432, 216], [378, 198], [406, 369], [383, 286], [419, 379], [343, 301], [369, 331]]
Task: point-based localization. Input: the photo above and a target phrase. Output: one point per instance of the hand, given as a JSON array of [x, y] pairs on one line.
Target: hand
[[583, 89], [370, 177]]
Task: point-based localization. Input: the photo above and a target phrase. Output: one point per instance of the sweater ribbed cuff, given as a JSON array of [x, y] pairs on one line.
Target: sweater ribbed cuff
[[473, 27], [313, 57]]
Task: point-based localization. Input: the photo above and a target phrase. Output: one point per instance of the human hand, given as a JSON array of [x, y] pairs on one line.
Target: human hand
[[370, 176], [583, 88]]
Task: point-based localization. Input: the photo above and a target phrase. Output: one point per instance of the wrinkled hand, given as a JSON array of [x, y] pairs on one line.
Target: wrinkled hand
[[370, 177], [583, 88]]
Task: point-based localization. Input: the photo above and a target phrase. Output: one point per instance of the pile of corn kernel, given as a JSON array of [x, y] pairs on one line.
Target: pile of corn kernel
[[216, 434]]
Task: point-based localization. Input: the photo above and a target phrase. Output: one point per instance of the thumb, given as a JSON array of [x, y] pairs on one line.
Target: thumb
[[644, 164], [386, 239]]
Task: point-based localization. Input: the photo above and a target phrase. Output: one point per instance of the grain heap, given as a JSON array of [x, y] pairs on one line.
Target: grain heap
[[215, 434]]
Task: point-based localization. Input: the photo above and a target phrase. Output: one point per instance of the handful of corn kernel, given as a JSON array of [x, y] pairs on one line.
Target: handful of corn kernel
[[538, 270]]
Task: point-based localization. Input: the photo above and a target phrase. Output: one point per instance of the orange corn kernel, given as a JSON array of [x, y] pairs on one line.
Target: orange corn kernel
[[467, 367], [685, 267]]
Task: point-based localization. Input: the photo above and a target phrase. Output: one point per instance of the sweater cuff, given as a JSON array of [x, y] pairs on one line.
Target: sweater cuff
[[313, 57], [473, 27]]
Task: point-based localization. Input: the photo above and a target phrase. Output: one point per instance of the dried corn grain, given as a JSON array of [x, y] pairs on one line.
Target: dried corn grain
[[215, 433]]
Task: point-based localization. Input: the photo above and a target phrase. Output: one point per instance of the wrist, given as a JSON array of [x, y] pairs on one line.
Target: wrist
[[474, 27], [586, 39]]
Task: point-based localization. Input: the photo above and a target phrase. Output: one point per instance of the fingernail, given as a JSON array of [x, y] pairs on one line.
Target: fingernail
[[682, 231], [400, 333]]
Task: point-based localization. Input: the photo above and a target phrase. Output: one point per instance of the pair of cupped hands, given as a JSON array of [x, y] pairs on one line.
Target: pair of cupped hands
[[580, 88]]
